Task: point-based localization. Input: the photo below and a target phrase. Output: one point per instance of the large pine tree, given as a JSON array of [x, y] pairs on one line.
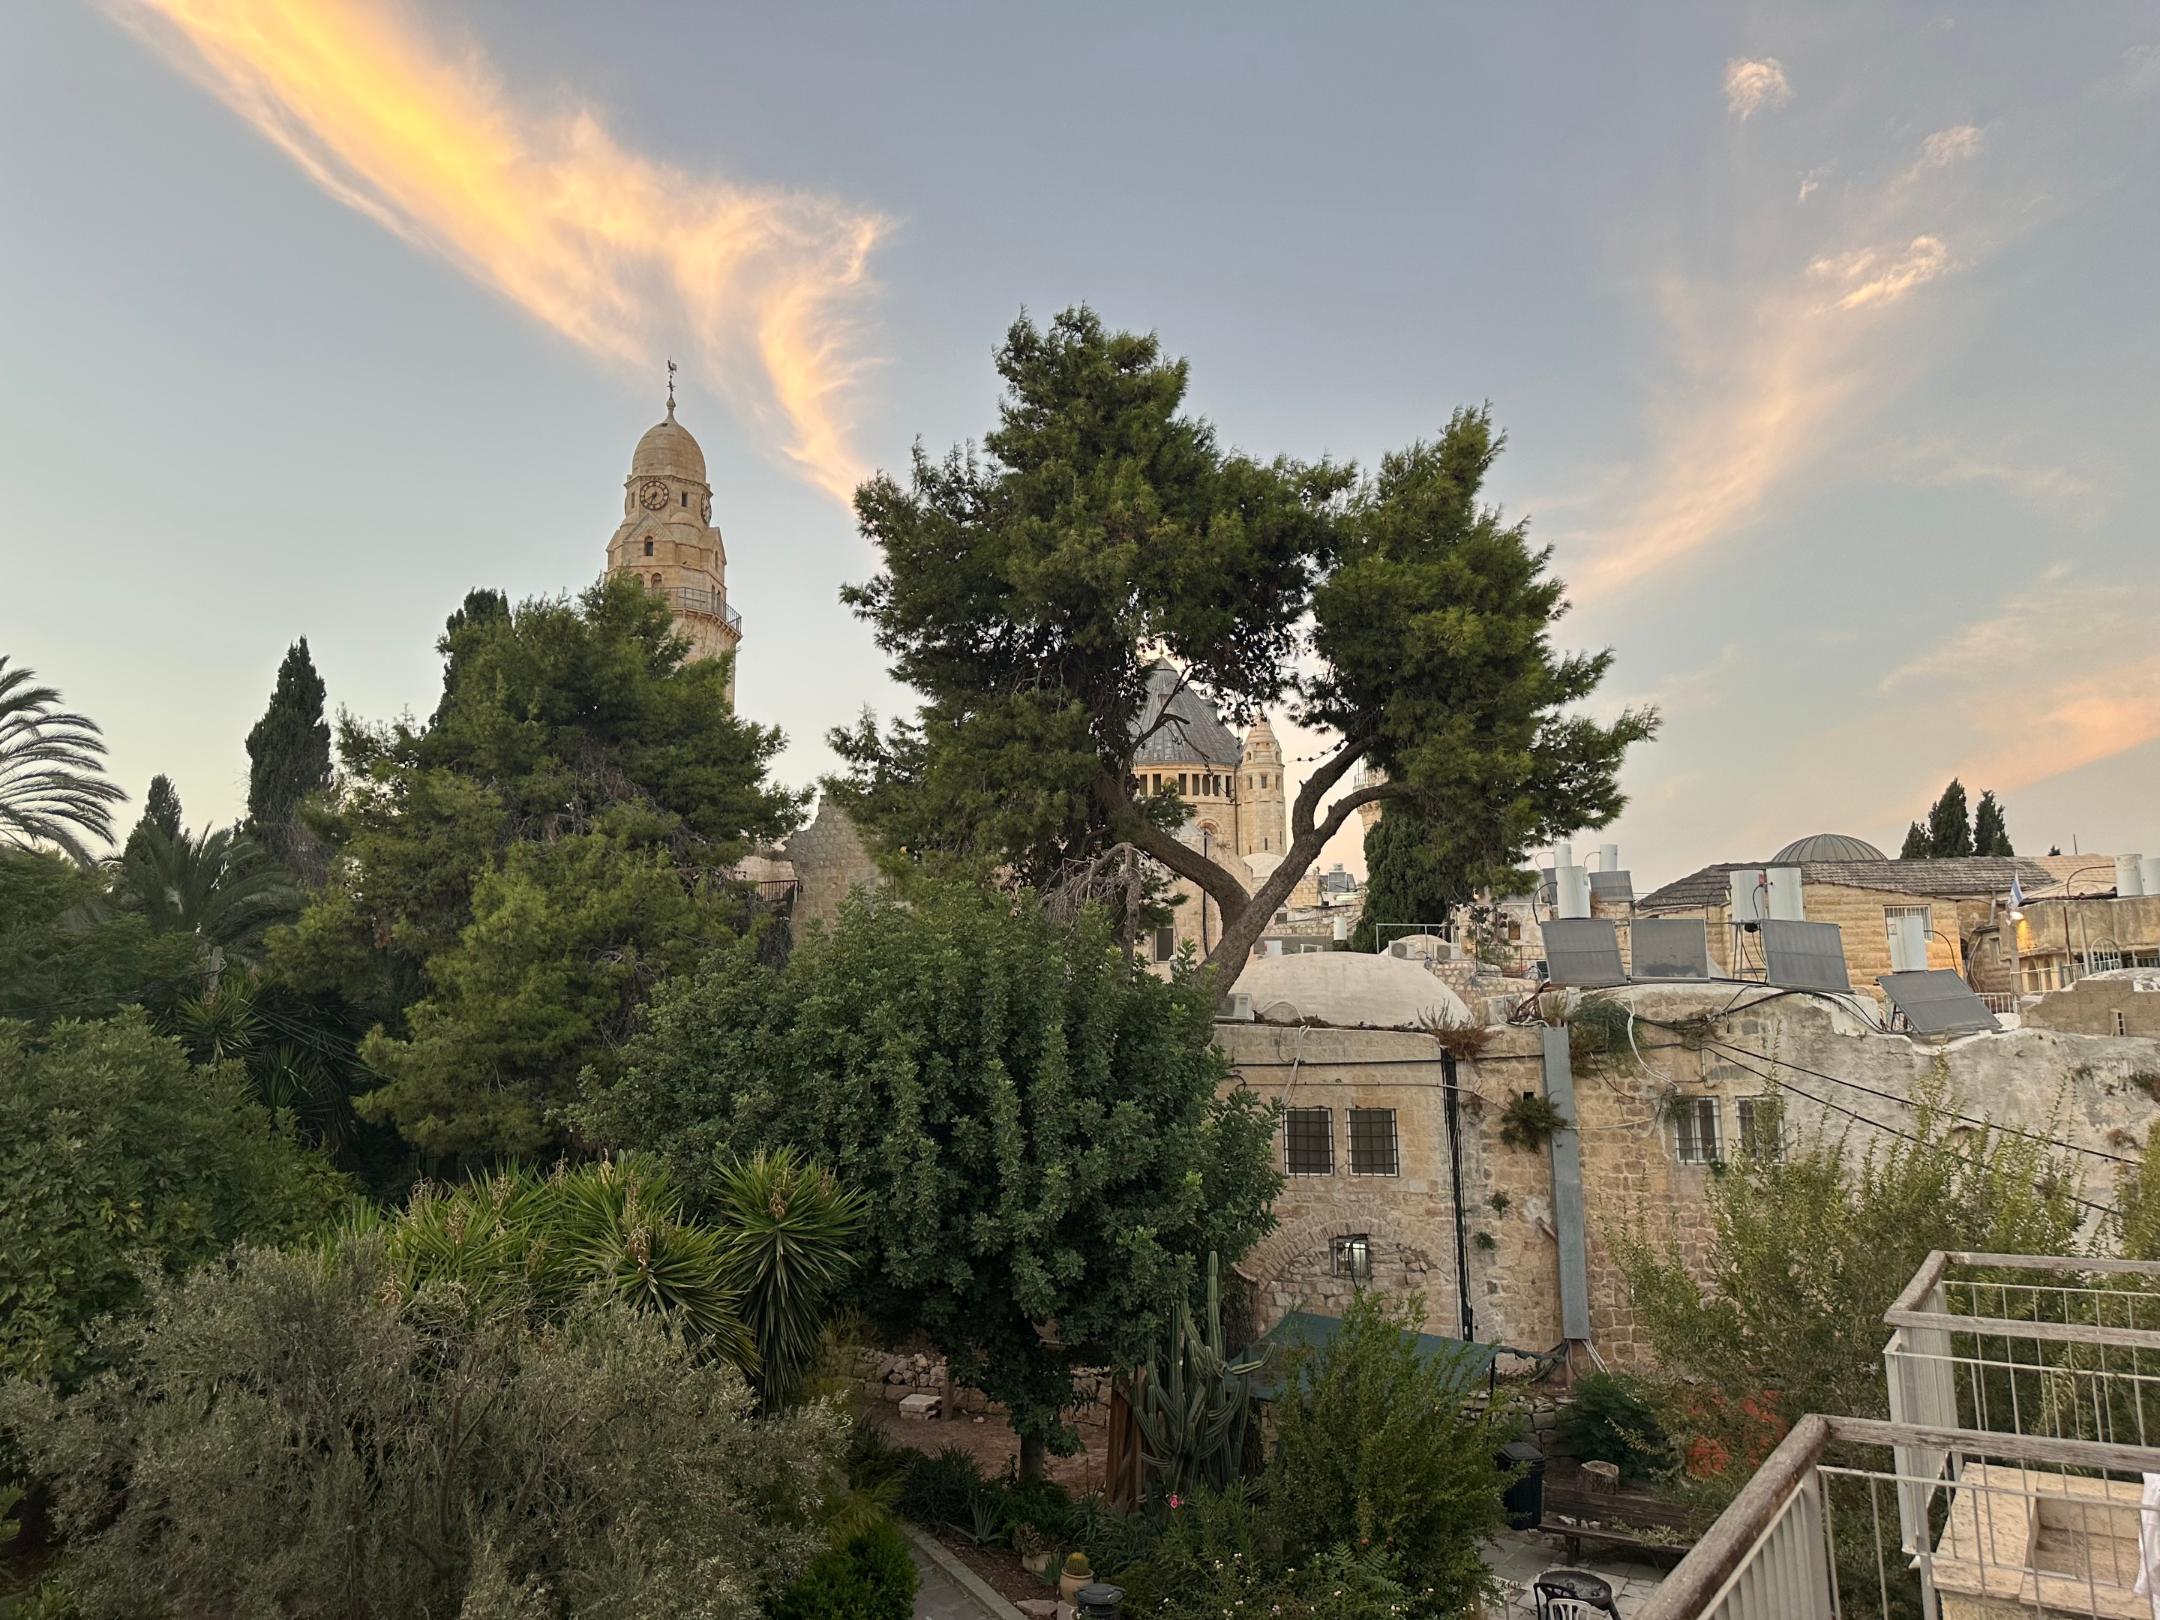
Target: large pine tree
[[1991, 833], [1949, 827], [288, 752]]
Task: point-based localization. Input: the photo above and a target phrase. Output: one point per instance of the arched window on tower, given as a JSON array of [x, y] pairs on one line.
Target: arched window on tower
[[656, 582], [648, 548]]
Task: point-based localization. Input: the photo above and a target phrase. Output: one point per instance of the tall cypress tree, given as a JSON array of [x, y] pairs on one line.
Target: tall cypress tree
[[1991, 833], [1917, 847], [1949, 827], [288, 751], [161, 806]]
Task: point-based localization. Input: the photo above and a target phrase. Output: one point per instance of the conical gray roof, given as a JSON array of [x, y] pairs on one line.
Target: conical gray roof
[[1192, 732]]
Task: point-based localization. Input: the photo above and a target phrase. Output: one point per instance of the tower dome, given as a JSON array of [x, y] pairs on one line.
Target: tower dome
[[668, 451]]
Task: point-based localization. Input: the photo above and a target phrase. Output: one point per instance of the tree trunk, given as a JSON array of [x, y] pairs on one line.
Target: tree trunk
[[1033, 1455]]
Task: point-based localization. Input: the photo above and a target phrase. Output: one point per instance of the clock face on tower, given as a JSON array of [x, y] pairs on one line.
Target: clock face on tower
[[653, 496], [704, 509]]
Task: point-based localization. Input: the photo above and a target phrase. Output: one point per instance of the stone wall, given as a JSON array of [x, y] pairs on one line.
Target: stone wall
[[2126, 1003], [890, 1376], [2091, 1091], [829, 858], [1860, 916]]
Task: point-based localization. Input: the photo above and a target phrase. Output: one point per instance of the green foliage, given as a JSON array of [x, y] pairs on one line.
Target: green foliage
[[1806, 1254], [1032, 1119], [937, 1490], [516, 875], [1949, 827], [1196, 1405], [219, 886], [536, 1246], [288, 754], [871, 1577], [1612, 1417], [118, 1156], [792, 1230], [1223, 1553], [1530, 1119], [1024, 594], [161, 807], [65, 952], [1380, 1449], [1421, 867], [1916, 846], [1991, 833], [52, 784], [1598, 1036], [373, 1461]]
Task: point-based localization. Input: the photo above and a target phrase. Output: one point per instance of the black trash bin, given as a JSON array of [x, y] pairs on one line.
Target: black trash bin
[[1525, 1499]]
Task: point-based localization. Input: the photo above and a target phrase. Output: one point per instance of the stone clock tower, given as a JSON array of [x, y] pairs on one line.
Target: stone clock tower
[[667, 541]]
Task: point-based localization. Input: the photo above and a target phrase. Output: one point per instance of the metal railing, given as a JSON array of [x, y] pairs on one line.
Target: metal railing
[[709, 604], [2024, 1398]]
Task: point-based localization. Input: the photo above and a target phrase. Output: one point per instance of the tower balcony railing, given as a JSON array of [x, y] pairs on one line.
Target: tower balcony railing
[[708, 604]]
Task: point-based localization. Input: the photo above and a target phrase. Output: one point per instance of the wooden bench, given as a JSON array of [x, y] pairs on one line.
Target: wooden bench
[[1584, 1517]]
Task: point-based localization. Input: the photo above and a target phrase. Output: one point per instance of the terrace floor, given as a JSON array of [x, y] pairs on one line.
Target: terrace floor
[[1518, 1557]]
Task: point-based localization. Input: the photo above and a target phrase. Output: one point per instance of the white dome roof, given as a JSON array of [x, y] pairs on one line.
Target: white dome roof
[[1349, 988], [668, 451]]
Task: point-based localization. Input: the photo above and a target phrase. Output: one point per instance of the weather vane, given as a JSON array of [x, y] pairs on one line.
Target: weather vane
[[671, 387]]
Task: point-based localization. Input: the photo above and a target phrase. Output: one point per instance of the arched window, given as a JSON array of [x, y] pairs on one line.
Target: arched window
[[656, 582], [648, 548]]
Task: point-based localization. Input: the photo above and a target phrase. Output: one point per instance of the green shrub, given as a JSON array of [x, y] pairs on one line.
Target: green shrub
[[115, 1153], [1225, 1553], [1113, 1539], [1043, 1504], [870, 1578], [937, 1491], [282, 1436], [1610, 1417], [1378, 1447]]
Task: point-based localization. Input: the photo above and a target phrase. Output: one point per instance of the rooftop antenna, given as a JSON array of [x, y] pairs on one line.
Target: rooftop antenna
[[671, 389]]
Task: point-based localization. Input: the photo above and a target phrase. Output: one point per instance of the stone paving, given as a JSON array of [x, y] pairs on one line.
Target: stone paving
[[1519, 1556], [942, 1594]]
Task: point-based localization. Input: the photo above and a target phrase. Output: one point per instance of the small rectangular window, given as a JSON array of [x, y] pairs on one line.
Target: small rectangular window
[[1695, 1127], [2122, 1027], [1352, 1257], [648, 548], [1309, 1142], [1181, 782], [1762, 1127], [1372, 1142], [686, 498], [1165, 942]]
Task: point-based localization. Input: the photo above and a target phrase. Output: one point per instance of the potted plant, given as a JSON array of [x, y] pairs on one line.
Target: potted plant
[[1034, 1549], [1076, 1575]]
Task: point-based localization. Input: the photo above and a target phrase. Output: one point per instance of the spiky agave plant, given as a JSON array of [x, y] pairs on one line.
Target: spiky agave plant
[[791, 1229], [52, 783]]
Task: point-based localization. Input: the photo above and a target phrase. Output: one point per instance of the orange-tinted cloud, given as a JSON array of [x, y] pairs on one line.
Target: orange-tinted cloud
[[624, 254]]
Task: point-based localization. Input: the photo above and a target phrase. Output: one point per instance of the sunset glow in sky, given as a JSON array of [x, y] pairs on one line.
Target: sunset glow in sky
[[1824, 340]]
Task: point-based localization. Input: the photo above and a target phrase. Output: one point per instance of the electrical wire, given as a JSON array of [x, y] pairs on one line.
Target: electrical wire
[[1864, 1119]]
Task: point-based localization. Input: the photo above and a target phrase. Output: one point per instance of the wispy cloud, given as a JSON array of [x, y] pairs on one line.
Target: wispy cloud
[[2060, 675], [1751, 84], [1811, 182], [1867, 276], [1947, 146], [2141, 70], [1938, 463], [620, 252]]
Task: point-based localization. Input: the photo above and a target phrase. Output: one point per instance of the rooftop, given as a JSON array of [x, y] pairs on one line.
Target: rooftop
[[1193, 730], [1972, 877]]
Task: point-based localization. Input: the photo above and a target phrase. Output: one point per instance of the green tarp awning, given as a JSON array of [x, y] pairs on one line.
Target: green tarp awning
[[1469, 1362]]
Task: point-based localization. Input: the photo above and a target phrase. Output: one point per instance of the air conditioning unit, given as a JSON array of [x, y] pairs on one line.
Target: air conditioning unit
[[1236, 1008]]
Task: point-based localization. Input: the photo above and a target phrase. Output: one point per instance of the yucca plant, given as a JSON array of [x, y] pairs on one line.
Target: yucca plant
[[52, 784], [1195, 1405], [791, 1229], [518, 1240]]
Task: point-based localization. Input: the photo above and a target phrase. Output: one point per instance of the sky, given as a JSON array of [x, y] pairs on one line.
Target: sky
[[1822, 337]]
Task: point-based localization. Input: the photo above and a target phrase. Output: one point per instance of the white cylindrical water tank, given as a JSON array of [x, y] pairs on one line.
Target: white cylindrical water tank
[[1342, 929], [1785, 894], [2129, 879], [1747, 894], [1608, 857], [1573, 883], [1563, 853]]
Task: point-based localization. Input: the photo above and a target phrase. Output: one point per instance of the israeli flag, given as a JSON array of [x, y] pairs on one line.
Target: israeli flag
[[2017, 895]]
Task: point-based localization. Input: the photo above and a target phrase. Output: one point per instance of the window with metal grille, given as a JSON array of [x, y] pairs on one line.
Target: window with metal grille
[[1352, 1257], [1762, 1126], [1372, 1142], [1309, 1142], [1695, 1129]]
